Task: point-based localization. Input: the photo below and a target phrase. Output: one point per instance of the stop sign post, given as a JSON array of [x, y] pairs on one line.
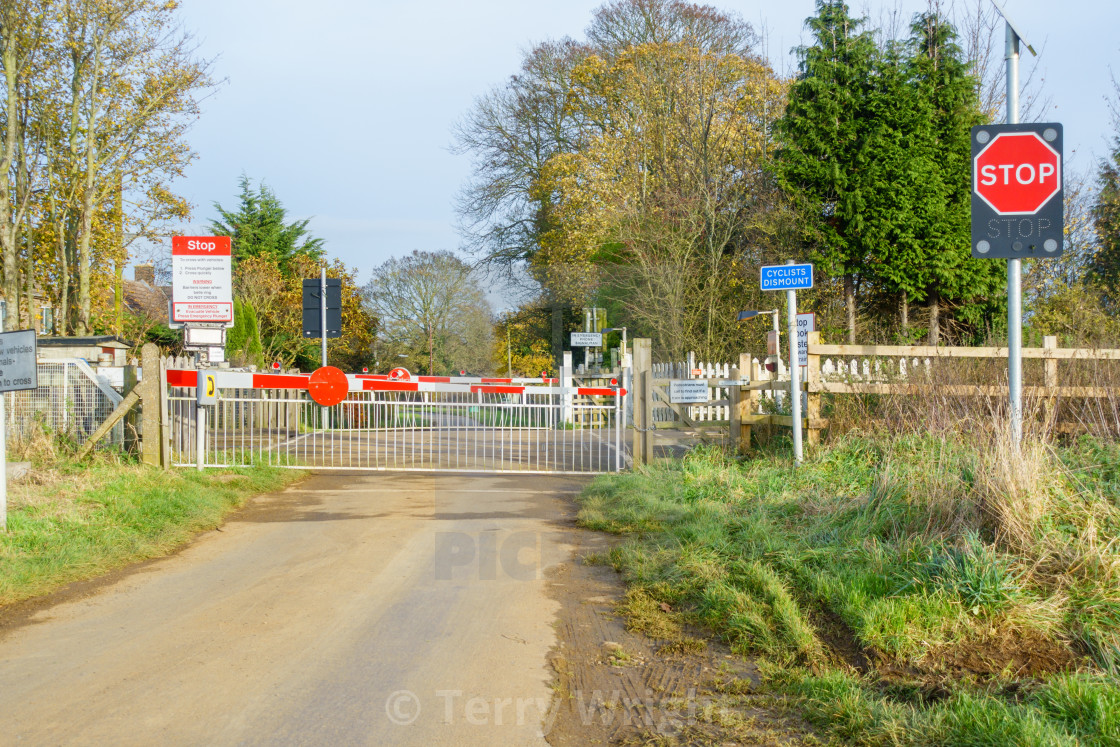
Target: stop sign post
[[1017, 206]]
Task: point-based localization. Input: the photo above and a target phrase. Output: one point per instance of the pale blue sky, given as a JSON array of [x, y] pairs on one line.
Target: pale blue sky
[[345, 108]]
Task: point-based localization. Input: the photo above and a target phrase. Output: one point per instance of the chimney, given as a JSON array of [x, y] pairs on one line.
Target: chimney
[[145, 274]]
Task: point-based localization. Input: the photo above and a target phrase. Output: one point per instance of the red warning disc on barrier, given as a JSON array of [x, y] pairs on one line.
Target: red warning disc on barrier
[[327, 386], [399, 374]]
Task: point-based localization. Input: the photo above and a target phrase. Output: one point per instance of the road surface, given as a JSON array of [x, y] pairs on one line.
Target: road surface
[[351, 609]]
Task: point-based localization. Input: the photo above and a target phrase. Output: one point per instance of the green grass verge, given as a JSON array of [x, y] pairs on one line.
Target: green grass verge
[[915, 590], [73, 523]]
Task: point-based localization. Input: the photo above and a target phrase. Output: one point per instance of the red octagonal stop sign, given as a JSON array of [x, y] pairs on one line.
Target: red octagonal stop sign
[[327, 386], [1017, 173]]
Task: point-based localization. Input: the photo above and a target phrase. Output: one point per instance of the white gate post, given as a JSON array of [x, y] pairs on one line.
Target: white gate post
[[566, 388], [200, 435]]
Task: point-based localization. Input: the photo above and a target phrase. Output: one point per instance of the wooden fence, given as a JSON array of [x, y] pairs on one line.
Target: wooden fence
[[749, 400], [910, 370]]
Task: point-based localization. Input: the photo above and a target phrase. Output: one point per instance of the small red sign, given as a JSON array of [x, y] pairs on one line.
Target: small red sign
[[327, 386], [400, 374], [1017, 173], [211, 246]]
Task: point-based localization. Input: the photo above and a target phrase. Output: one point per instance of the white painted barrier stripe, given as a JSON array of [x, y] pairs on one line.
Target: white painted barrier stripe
[[465, 385]]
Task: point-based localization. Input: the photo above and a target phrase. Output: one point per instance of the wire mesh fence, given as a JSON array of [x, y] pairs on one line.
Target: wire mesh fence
[[70, 401]]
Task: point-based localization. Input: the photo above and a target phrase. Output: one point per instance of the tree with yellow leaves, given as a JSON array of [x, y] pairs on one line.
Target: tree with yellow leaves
[[649, 181], [98, 96]]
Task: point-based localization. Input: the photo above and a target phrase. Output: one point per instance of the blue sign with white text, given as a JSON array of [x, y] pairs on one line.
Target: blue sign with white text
[[787, 277]]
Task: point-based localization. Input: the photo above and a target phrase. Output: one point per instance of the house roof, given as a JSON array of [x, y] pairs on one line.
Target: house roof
[[103, 341], [139, 297]]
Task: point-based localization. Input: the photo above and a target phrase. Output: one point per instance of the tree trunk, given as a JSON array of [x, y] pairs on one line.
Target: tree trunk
[[120, 259], [84, 242], [904, 313], [850, 304], [9, 247], [934, 317]]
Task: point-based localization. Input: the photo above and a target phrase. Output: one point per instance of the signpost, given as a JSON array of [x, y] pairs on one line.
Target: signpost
[[806, 323], [18, 371], [202, 292], [587, 340], [202, 288], [688, 391], [791, 278], [1017, 206], [322, 309]]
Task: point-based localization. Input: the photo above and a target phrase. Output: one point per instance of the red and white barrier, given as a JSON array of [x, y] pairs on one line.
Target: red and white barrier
[[382, 383]]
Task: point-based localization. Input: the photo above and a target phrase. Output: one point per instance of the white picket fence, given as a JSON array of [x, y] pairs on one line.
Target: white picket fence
[[832, 369], [862, 369], [719, 408]]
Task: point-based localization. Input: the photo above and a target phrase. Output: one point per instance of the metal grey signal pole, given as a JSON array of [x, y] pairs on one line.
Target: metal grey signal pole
[[1014, 266], [323, 310], [794, 371]]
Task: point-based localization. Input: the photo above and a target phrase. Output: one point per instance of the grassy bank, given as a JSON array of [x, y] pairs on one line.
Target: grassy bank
[[69, 523], [908, 590]]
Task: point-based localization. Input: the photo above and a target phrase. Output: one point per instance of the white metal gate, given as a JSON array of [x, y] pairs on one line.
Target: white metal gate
[[432, 424], [71, 400]]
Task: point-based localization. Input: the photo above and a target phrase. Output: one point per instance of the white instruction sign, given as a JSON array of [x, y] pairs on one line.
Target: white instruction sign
[[201, 279], [587, 340], [688, 392], [806, 323]]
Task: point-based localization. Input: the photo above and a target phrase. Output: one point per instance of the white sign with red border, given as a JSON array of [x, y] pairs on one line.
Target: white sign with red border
[[806, 323], [201, 279]]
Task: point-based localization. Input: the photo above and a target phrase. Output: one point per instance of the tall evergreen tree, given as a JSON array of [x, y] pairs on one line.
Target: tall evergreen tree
[[943, 80], [259, 228], [823, 141], [1104, 270], [900, 162]]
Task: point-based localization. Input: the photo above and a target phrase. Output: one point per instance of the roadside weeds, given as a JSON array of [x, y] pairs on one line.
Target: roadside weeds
[[70, 522], [901, 591]]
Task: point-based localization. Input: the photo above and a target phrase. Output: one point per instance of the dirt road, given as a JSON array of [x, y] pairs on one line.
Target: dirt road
[[352, 609]]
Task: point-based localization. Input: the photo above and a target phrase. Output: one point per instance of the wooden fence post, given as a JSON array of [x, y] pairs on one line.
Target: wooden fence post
[[813, 386], [643, 401], [735, 424], [747, 403], [1050, 342], [1050, 379], [132, 422], [766, 427]]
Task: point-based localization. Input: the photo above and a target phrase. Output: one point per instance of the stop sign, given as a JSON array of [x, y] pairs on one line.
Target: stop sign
[[1017, 173], [1017, 208]]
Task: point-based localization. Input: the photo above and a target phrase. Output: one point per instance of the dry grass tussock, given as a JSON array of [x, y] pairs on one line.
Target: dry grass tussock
[[56, 482], [949, 397], [1044, 506]]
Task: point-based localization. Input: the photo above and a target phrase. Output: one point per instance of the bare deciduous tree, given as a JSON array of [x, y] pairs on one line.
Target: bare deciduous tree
[[433, 314]]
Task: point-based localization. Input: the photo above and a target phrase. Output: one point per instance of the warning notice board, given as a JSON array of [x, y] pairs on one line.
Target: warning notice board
[[201, 282]]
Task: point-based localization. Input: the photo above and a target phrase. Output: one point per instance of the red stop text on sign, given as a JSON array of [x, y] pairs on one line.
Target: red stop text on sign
[[1017, 173]]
